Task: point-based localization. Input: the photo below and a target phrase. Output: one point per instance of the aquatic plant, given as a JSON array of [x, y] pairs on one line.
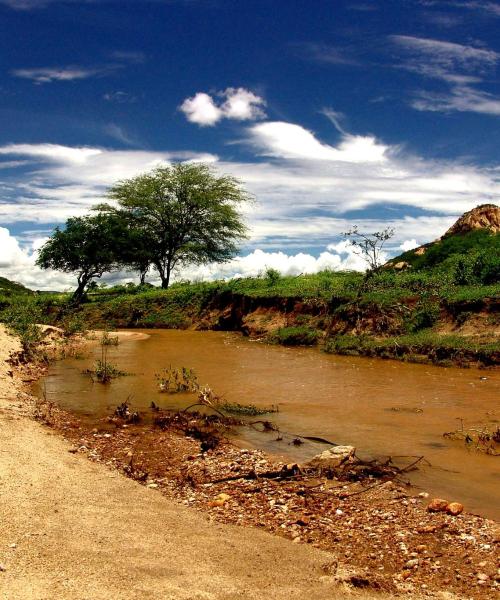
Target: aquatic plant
[[245, 409], [104, 371], [177, 380]]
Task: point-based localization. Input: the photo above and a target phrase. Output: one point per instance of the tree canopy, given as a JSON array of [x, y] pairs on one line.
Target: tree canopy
[[184, 213], [88, 246]]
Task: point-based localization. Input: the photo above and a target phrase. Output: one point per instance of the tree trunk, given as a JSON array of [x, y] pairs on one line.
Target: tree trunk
[[165, 279], [80, 290]]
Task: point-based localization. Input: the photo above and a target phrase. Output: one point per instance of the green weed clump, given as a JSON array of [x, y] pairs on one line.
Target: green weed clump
[[104, 371], [249, 410]]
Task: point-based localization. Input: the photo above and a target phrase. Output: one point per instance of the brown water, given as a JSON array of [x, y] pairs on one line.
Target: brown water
[[381, 407]]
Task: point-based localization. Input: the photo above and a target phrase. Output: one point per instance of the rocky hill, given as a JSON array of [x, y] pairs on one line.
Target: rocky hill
[[474, 232], [485, 216]]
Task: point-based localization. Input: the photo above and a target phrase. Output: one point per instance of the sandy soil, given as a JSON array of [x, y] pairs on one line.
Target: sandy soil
[[72, 529]]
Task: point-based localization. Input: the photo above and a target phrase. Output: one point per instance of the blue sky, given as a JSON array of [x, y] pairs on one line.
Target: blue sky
[[332, 113]]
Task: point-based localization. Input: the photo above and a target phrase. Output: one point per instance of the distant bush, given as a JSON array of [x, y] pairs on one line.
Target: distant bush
[[272, 276]]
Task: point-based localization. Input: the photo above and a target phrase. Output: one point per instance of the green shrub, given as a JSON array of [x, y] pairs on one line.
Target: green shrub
[[426, 316], [21, 319], [272, 276]]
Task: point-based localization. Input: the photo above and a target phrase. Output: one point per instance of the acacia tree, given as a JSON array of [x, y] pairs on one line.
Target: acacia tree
[[135, 251], [186, 215], [87, 246]]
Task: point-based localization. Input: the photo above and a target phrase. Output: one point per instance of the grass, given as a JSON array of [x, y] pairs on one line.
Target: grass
[[424, 346]]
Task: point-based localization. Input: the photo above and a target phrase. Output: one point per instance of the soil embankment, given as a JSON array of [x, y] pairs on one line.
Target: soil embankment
[[73, 529]]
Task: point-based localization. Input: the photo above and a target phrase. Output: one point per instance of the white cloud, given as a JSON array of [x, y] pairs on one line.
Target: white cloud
[[462, 67], [18, 264], [286, 140], [461, 98], [409, 245], [448, 55], [201, 109], [242, 105], [258, 261], [51, 74], [53, 152], [237, 103], [492, 8], [118, 133]]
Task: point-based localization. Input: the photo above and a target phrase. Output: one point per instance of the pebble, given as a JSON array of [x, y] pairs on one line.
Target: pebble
[[482, 577], [454, 508], [2, 568], [411, 563], [437, 505]]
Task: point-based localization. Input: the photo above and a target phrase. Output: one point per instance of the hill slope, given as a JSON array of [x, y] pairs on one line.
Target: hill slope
[[473, 238], [6, 285]]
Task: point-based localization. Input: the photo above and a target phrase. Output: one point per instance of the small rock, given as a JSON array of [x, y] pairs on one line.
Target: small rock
[[454, 508], [411, 563], [2, 568], [482, 577], [220, 500], [13, 546], [333, 457], [437, 505]]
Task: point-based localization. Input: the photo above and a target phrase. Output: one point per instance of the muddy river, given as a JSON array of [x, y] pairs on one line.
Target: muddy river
[[381, 407]]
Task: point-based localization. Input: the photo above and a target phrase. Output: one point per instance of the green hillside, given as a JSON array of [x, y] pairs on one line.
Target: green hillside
[[11, 287]]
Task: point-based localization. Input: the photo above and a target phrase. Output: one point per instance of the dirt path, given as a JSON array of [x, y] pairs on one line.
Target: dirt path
[[72, 529]]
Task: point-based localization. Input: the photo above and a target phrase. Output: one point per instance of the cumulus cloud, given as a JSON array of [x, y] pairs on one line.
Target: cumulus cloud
[[337, 257], [17, 263], [409, 245], [201, 109], [233, 103]]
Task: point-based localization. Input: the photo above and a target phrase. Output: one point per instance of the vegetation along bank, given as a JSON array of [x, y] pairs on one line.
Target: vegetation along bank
[[438, 303]]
